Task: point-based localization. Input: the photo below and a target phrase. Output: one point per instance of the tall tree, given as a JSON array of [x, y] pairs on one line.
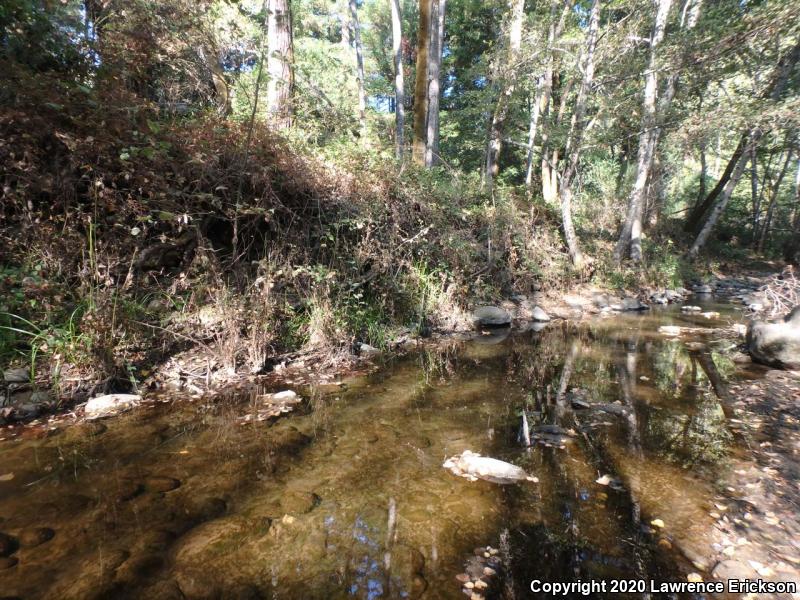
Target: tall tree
[[791, 250], [399, 86], [575, 138], [507, 75], [280, 64], [421, 83], [724, 197], [631, 234], [362, 96], [773, 200], [544, 84], [773, 92], [434, 75]]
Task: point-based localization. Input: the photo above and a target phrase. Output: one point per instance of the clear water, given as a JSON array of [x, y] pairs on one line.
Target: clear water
[[347, 498]]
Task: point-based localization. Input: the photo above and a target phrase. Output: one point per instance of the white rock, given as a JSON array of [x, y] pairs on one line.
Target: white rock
[[110, 405], [689, 308], [669, 330], [473, 466], [284, 397]]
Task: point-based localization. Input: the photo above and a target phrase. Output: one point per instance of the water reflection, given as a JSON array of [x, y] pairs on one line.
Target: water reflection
[[346, 498]]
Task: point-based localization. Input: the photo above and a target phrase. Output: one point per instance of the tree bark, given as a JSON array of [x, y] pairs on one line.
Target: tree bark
[[723, 199], [574, 139], [362, 97], [399, 86], [280, 63], [508, 80], [421, 83], [435, 63], [631, 235]]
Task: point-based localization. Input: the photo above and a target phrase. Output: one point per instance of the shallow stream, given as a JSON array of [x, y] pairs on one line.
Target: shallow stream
[[346, 497]]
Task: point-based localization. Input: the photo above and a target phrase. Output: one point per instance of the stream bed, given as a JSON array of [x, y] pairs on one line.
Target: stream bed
[[633, 441]]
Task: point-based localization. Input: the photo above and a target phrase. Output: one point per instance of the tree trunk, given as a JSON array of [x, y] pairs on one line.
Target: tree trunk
[[532, 127], [791, 252], [280, 63], [694, 220], [399, 88], [362, 96], [773, 200], [342, 8], [631, 235], [435, 63], [554, 33], [701, 191], [754, 190], [773, 92], [722, 202], [421, 83], [508, 80], [550, 173], [574, 139]]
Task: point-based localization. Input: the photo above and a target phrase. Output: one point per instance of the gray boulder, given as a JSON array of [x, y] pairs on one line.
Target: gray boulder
[[17, 375], [702, 289], [490, 316], [631, 304], [600, 300], [659, 298], [776, 344]]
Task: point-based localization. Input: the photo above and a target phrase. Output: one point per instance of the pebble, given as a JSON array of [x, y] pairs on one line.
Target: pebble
[[462, 577], [489, 571]]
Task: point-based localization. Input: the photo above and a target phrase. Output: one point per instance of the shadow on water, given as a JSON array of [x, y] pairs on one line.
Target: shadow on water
[[346, 498]]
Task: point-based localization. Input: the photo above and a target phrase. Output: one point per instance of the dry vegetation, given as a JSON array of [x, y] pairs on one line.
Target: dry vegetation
[[139, 235]]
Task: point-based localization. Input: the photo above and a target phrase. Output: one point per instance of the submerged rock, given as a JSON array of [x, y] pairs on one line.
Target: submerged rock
[[110, 405], [473, 466], [776, 344], [490, 316]]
